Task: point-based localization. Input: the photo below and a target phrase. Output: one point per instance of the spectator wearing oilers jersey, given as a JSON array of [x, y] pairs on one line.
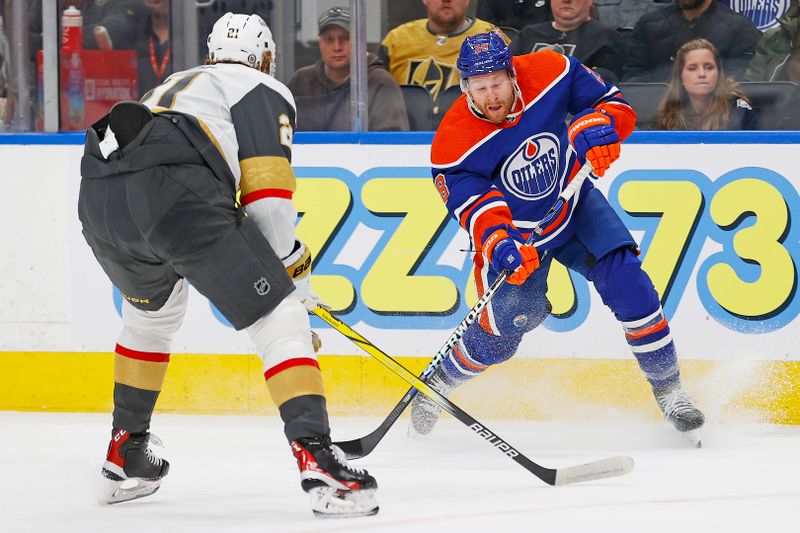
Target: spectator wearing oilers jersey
[[158, 208], [501, 157]]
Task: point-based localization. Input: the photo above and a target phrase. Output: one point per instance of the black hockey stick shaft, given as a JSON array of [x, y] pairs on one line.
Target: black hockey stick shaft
[[604, 468], [362, 446]]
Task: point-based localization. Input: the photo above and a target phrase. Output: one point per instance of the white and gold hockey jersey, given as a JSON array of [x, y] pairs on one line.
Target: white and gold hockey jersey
[[416, 56], [249, 116]]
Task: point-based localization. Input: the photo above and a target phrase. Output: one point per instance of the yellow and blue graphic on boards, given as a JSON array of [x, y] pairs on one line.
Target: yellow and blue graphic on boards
[[385, 255]]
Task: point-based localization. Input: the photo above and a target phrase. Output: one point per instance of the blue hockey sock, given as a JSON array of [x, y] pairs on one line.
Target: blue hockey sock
[[651, 342], [476, 351]]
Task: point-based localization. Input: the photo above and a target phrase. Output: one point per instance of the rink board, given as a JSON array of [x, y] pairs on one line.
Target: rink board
[[714, 215], [532, 389]]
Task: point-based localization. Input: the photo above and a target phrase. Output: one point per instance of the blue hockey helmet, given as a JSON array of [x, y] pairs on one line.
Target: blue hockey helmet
[[483, 53], [486, 53]]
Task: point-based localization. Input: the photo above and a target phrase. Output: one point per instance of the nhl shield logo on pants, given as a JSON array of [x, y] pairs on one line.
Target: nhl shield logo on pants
[[262, 286]]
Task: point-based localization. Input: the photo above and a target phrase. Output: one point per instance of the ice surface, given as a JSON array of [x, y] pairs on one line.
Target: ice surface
[[235, 473]]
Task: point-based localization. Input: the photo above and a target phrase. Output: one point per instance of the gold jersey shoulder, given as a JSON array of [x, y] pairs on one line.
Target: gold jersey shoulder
[[419, 57]]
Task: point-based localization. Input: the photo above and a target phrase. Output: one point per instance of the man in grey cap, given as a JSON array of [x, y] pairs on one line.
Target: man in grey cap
[[322, 90]]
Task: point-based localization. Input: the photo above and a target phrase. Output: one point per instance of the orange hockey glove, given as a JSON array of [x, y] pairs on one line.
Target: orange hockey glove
[[505, 248], [594, 138]]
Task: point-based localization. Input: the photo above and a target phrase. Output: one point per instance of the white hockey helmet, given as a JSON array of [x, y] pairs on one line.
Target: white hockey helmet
[[242, 39]]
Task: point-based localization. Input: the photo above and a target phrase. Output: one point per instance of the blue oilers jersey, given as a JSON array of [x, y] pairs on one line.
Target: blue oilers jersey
[[512, 173]]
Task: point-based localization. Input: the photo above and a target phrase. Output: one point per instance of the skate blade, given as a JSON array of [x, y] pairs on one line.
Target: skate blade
[[412, 433], [328, 502], [126, 490], [693, 437]]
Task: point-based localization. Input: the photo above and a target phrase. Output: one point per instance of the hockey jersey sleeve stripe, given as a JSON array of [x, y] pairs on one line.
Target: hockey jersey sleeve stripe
[[465, 215], [624, 115], [211, 136], [496, 214], [458, 211], [264, 121], [266, 193], [266, 176]]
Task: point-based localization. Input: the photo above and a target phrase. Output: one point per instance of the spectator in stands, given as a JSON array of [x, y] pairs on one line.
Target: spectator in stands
[[154, 50], [763, 14], [622, 15], [110, 24], [424, 51], [778, 52], [322, 90], [658, 35], [700, 97], [574, 33], [514, 13]]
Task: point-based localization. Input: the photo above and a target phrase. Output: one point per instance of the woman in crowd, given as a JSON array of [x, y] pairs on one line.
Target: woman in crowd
[[700, 97]]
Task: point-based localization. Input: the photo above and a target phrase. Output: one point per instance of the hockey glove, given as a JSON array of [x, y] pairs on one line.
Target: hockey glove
[[594, 138], [505, 248], [298, 266]]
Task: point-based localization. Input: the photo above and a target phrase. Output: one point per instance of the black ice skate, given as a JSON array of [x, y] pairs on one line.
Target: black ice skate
[[132, 471], [424, 411], [337, 489], [678, 409]]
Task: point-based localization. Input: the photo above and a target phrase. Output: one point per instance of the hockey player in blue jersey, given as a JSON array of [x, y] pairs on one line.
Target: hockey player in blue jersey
[[500, 158]]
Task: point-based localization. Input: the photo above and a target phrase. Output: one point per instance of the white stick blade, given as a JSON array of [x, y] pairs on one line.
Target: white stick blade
[[614, 466]]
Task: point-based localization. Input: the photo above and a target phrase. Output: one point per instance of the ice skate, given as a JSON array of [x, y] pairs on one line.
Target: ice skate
[[131, 469], [678, 409], [337, 489], [424, 411]]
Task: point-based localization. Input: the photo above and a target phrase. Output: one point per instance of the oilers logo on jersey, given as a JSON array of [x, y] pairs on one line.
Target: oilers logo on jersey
[[531, 172]]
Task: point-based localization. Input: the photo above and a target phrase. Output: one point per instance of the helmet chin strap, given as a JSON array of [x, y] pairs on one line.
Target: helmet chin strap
[[511, 117]]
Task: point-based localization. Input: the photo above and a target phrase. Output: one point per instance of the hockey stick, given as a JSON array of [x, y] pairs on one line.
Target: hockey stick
[[360, 447], [604, 468]]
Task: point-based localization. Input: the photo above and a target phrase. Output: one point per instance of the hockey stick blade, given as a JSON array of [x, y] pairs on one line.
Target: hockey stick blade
[[611, 467], [357, 448], [604, 468]]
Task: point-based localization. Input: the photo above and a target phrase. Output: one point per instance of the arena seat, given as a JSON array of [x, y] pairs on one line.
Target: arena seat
[[644, 98], [446, 100], [770, 100], [419, 107]]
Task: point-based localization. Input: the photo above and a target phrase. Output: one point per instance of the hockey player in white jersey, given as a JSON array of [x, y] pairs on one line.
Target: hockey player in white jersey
[[158, 208]]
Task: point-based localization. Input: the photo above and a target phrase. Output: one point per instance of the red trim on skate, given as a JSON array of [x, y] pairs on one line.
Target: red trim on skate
[[307, 463], [154, 357], [117, 440], [298, 361]]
